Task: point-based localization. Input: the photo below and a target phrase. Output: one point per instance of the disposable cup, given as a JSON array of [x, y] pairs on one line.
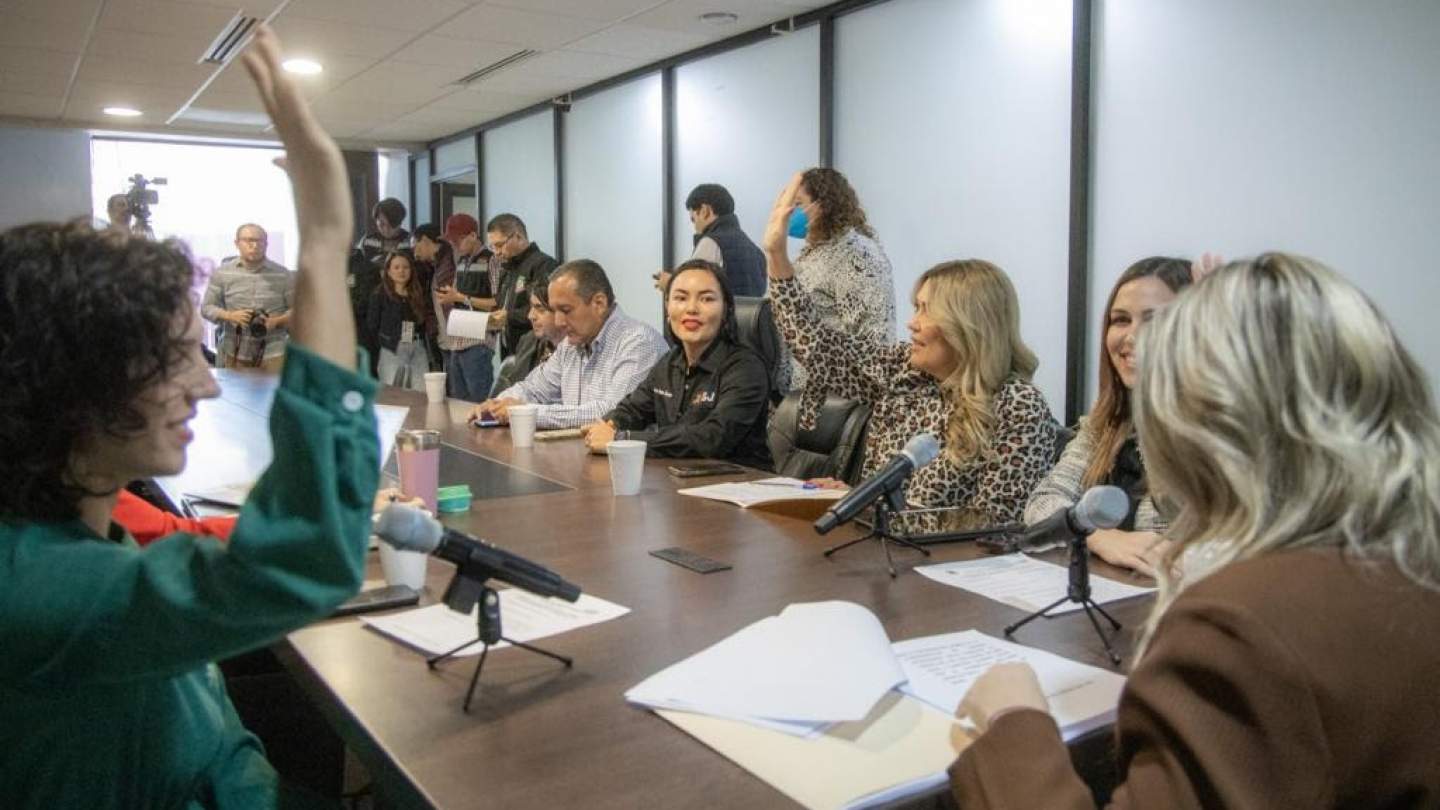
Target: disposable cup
[[403, 567], [522, 424], [627, 465], [435, 386]]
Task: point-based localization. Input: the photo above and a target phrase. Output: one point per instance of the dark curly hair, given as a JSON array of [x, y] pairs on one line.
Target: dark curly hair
[[87, 322], [839, 206]]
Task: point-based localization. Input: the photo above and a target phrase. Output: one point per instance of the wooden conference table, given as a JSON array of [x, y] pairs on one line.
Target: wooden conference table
[[542, 736]]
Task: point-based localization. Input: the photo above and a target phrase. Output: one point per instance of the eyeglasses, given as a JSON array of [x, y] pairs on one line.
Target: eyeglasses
[[501, 243], [251, 240]]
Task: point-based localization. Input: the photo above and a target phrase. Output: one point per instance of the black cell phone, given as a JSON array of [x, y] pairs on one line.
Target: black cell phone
[[485, 421], [390, 596], [702, 468]]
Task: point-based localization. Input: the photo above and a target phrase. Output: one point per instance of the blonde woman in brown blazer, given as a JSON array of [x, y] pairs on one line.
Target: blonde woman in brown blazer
[[1291, 658]]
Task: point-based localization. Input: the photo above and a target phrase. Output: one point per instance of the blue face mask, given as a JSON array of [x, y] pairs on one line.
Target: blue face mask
[[799, 223]]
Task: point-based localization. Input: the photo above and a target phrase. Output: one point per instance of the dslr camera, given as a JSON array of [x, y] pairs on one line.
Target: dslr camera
[[257, 328]]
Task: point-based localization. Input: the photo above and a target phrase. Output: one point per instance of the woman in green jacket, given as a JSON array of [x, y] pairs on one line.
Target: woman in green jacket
[[108, 697]]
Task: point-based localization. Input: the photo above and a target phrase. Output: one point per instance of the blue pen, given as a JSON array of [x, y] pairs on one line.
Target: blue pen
[[804, 485]]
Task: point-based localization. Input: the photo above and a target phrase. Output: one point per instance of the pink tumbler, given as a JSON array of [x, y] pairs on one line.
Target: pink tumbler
[[418, 454]]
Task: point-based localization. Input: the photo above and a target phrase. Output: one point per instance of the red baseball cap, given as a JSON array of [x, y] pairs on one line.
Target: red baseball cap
[[459, 226]]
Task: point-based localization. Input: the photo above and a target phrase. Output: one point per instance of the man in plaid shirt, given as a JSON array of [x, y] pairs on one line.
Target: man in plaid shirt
[[604, 356]]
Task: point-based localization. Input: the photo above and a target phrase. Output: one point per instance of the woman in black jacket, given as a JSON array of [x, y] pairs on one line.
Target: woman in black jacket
[[401, 319], [709, 396]]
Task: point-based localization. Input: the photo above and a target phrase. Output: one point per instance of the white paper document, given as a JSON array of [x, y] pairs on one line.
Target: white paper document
[[814, 664], [436, 629], [941, 669], [1025, 583], [467, 323], [746, 494]]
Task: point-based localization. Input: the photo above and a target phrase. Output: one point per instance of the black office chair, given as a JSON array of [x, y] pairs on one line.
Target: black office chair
[[834, 448], [1063, 435], [505, 376], [756, 324]]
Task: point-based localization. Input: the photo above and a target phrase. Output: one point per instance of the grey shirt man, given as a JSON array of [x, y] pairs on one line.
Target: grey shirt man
[[269, 286]]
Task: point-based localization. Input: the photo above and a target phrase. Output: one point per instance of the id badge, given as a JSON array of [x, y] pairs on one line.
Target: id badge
[[407, 331]]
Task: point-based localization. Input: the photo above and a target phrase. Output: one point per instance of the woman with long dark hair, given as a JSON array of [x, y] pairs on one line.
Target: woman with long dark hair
[[708, 397], [403, 323], [1105, 450]]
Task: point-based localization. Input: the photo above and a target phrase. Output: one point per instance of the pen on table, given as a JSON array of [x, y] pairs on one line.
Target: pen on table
[[791, 484]]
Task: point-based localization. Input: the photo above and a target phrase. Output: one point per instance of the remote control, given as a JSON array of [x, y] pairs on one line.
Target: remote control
[[689, 559], [390, 596]]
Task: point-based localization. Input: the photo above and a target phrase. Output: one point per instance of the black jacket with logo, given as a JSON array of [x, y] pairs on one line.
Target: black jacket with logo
[[518, 277], [718, 409]]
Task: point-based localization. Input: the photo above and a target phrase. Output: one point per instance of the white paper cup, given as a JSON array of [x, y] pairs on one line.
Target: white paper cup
[[403, 567], [522, 424], [435, 386], [627, 465]]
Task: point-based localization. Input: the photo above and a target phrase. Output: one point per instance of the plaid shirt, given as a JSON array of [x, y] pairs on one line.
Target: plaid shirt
[[580, 384]]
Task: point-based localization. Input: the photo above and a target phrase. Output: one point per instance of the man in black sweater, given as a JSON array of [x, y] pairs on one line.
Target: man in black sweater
[[524, 267]]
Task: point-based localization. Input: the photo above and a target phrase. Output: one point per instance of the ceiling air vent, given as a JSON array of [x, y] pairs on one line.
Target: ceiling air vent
[[232, 37], [496, 67]]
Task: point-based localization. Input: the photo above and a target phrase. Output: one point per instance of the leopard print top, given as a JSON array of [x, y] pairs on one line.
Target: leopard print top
[[905, 402]]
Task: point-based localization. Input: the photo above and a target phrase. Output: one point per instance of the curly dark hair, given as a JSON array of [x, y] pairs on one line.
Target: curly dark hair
[[839, 206], [87, 322]]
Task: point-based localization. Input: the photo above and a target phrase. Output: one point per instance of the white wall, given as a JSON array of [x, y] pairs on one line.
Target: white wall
[[455, 155], [952, 121], [420, 211], [747, 119], [395, 182], [520, 175], [613, 190], [1237, 126], [46, 175]]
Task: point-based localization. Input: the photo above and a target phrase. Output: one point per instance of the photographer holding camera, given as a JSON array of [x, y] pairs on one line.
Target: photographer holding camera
[[249, 298]]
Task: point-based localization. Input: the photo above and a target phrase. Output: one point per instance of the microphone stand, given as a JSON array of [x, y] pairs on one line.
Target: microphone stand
[[465, 590], [1079, 593], [894, 501]]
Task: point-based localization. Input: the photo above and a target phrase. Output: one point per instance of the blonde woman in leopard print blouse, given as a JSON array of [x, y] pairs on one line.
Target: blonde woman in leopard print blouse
[[964, 376]]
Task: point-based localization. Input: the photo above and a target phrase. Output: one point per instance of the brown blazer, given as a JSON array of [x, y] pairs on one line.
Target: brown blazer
[[1301, 679]]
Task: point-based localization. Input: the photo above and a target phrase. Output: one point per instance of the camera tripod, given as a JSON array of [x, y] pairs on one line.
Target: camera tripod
[[466, 591]]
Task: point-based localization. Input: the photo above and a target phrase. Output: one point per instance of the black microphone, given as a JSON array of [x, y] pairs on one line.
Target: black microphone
[[409, 529], [918, 452], [1103, 507]]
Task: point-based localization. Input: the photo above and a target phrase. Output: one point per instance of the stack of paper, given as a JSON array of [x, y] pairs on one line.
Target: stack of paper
[[814, 664], [806, 701], [1025, 583], [523, 615], [746, 494]]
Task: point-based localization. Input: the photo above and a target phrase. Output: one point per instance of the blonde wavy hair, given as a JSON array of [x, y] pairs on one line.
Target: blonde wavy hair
[[975, 306], [1277, 410]]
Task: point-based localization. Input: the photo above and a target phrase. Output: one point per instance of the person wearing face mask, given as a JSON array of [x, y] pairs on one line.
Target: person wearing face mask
[[535, 346], [842, 267], [109, 697], [1105, 450], [708, 397], [965, 377]]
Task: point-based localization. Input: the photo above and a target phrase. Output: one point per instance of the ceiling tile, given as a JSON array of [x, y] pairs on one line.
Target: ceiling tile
[[25, 83], [522, 83], [607, 10], [582, 66], [684, 15], [70, 13], [167, 16], [19, 32], [411, 15], [170, 49], [637, 42], [28, 105], [394, 79], [518, 27], [479, 98], [131, 71], [464, 55], [330, 38], [38, 60]]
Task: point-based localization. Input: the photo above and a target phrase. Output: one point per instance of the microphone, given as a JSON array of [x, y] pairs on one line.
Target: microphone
[[1103, 507], [409, 529], [918, 452]]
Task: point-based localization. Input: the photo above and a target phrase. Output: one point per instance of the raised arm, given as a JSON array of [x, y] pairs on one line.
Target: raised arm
[[323, 321], [857, 366]]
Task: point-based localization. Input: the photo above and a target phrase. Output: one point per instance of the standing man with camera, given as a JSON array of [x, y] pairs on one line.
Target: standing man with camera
[[249, 298]]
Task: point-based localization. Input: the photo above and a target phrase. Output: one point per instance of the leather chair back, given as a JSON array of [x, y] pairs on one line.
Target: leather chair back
[[834, 448]]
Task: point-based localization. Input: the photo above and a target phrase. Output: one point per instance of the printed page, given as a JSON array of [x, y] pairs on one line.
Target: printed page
[[525, 617], [1025, 583]]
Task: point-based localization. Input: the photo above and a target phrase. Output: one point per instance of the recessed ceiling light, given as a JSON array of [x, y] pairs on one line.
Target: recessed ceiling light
[[719, 18], [305, 67], [122, 112]]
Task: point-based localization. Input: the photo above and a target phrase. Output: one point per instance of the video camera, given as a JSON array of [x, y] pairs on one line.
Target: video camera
[[140, 197]]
